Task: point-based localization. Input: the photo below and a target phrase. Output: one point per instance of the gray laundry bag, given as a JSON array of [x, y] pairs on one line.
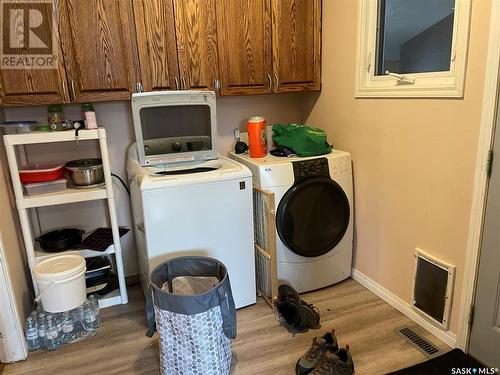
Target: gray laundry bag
[[192, 305]]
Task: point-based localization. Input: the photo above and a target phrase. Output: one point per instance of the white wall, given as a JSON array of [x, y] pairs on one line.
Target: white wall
[[116, 118]]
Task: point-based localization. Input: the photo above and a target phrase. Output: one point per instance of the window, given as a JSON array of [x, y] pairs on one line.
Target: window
[[409, 48]]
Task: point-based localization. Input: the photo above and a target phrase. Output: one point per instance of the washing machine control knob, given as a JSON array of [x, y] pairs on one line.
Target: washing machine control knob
[[176, 146]]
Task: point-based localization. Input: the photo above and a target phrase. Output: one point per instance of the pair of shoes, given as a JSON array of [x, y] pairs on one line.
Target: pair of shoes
[[325, 358], [297, 313]]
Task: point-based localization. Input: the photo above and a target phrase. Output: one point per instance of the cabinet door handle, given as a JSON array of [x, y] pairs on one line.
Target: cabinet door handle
[[269, 78], [73, 95], [176, 83], [277, 84], [184, 83]]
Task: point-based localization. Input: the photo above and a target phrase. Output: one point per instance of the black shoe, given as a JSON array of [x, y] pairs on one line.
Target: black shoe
[[338, 363], [316, 353], [297, 313]]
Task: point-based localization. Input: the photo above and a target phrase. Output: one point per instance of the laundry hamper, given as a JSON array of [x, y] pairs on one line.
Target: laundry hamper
[[191, 306]]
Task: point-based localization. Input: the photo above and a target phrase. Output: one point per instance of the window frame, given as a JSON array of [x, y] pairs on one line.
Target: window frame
[[430, 84]]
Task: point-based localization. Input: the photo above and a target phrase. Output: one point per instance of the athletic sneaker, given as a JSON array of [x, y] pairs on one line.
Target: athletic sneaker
[[316, 353], [297, 313], [339, 363]]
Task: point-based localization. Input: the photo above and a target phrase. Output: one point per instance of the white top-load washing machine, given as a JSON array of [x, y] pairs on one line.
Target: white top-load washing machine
[[187, 200], [314, 215]]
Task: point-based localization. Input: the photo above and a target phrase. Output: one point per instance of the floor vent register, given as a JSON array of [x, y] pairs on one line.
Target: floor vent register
[[418, 342]]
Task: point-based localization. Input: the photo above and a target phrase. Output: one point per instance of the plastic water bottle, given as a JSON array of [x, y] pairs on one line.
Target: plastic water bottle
[[58, 321], [52, 338], [95, 304], [81, 318], [31, 333], [76, 321], [42, 332], [89, 317], [68, 328]]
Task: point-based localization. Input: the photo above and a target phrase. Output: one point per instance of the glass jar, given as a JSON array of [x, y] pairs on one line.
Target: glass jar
[[54, 114]]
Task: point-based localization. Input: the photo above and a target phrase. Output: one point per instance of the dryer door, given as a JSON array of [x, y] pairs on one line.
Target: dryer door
[[313, 216]]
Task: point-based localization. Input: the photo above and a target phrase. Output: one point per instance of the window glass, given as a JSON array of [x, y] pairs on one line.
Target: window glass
[[414, 36]]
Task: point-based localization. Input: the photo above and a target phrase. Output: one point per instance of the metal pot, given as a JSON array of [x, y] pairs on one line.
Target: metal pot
[[85, 172]]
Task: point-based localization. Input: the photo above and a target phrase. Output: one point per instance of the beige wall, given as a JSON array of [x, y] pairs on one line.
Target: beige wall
[[413, 158], [12, 242], [116, 118]]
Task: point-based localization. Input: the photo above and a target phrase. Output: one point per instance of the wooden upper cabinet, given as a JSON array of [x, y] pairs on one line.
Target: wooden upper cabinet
[[99, 49], [296, 45], [244, 44], [36, 86], [195, 27], [154, 22], [105, 47]]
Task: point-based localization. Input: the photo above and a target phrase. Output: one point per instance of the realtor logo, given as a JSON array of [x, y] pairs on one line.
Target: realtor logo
[[28, 34]]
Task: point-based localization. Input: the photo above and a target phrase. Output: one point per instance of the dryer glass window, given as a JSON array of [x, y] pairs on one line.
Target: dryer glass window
[[173, 129], [313, 217]]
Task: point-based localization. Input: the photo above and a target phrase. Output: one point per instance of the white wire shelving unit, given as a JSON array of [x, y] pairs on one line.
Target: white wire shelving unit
[[70, 195]]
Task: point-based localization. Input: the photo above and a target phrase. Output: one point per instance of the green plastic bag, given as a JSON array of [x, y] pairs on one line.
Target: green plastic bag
[[302, 139]]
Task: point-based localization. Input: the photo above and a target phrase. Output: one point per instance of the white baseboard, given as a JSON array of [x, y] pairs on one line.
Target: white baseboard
[[404, 307]]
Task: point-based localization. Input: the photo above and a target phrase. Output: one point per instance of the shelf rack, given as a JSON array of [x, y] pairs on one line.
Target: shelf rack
[[24, 203]]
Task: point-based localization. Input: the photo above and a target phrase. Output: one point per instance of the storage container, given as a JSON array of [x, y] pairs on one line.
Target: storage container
[[61, 282], [16, 127], [257, 137], [41, 172], [45, 187]]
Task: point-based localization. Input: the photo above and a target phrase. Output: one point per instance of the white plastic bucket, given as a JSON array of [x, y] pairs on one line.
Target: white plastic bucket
[[61, 282]]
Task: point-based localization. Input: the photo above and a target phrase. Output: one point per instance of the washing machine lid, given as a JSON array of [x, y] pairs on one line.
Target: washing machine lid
[[174, 126], [313, 216]]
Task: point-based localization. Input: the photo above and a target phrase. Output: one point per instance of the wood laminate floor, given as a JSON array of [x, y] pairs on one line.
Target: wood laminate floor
[[360, 318]]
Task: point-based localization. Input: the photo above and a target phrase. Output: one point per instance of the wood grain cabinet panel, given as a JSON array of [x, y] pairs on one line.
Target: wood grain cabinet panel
[[99, 49], [296, 45], [195, 26], [106, 46], [244, 45], [154, 22], [36, 86]]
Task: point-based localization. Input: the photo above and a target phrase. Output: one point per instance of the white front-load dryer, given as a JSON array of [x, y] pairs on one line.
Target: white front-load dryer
[[314, 215]]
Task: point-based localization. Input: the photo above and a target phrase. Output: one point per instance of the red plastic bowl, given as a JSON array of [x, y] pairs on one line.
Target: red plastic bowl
[[41, 172]]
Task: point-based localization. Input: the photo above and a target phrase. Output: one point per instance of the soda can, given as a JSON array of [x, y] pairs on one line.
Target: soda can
[[257, 137]]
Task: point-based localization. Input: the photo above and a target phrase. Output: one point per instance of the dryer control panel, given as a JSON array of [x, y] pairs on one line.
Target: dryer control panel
[[310, 168]]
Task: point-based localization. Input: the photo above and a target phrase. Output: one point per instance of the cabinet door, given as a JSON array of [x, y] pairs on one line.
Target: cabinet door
[[99, 49], [154, 21], [296, 45], [36, 86], [195, 26], [244, 44]]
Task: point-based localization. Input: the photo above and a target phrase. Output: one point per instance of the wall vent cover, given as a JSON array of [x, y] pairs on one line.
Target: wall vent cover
[[418, 342], [433, 288]]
